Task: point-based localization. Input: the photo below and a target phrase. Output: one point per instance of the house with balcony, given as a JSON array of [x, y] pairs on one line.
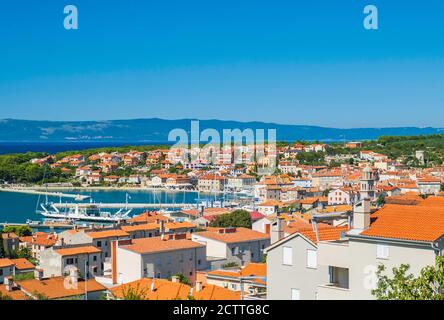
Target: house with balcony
[[393, 235], [293, 271]]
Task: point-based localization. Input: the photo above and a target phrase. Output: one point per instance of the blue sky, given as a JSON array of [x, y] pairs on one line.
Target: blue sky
[[295, 62]]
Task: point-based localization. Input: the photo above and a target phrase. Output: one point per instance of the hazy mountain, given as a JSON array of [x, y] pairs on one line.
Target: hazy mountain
[[156, 130]]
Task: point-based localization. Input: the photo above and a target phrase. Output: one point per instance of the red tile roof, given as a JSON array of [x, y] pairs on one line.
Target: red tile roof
[[239, 235], [418, 223], [156, 244], [77, 250]]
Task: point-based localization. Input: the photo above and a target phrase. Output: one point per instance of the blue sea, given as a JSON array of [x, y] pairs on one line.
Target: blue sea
[[60, 146], [19, 207]]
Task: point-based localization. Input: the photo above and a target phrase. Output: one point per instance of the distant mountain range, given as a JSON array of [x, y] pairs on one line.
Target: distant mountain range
[[156, 130]]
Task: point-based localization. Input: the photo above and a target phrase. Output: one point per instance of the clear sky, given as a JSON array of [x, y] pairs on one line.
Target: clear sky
[[296, 62]]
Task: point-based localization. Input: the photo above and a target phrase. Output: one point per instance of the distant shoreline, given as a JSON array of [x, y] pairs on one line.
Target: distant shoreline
[[42, 189]]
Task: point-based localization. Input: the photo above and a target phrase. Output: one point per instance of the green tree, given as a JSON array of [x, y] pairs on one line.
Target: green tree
[[2, 249], [182, 279], [23, 252], [237, 218], [21, 231], [134, 293], [381, 200], [4, 296], [429, 285]]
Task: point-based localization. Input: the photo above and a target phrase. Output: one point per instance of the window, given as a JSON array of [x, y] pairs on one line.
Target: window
[[1, 272], [295, 294], [312, 259], [70, 261], [94, 258], [382, 251], [233, 286], [233, 251], [287, 256], [99, 244]]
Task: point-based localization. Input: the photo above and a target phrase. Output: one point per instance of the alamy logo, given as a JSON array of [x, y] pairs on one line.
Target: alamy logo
[[71, 21], [235, 147], [371, 18]]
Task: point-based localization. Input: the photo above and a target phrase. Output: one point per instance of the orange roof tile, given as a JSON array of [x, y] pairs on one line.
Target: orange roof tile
[[55, 288], [324, 234], [251, 269], [240, 235], [77, 250], [161, 289], [22, 264], [156, 244], [107, 234], [213, 292], [432, 202], [140, 227], [417, 223], [5, 262], [15, 294]]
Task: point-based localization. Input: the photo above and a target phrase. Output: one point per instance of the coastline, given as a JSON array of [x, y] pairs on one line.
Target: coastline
[[55, 190]]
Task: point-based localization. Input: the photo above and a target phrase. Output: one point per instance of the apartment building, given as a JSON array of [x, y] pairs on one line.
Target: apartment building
[[341, 263], [98, 238], [232, 245], [61, 260], [6, 269], [158, 257], [293, 272], [38, 242], [211, 183], [397, 235]]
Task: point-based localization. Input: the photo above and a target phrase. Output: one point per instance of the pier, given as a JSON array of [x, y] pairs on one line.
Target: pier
[[77, 197], [126, 205]]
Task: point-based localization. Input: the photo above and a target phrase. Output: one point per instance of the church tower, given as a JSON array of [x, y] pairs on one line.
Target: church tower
[[367, 184]]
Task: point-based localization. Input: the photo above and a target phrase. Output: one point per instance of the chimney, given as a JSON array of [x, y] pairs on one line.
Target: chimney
[[361, 215], [199, 286], [201, 211], [152, 285], [9, 284], [38, 274], [175, 279], [277, 230], [114, 262], [162, 227]]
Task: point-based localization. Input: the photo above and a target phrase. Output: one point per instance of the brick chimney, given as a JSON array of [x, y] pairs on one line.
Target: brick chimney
[[199, 286]]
